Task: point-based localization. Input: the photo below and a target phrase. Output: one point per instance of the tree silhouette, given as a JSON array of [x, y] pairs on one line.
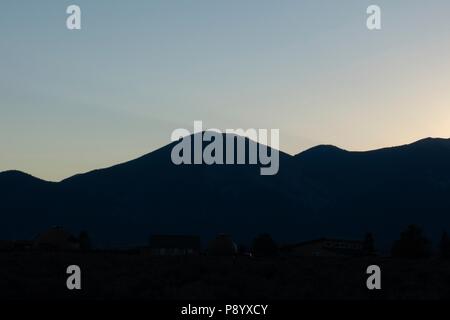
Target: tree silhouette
[[264, 246], [444, 246], [85, 241], [369, 244], [412, 244]]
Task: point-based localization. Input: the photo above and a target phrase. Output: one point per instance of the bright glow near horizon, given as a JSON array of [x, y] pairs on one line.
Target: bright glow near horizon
[[73, 101]]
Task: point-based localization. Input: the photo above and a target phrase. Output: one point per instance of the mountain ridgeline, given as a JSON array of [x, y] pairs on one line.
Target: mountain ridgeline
[[324, 191]]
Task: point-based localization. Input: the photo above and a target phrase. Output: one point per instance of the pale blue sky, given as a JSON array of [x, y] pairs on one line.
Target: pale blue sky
[[73, 101]]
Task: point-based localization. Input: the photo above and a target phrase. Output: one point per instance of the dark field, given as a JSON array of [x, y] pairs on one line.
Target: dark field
[[36, 275]]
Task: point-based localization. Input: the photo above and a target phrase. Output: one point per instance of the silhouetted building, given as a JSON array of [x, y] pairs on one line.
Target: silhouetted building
[[325, 248], [56, 238], [13, 245], [173, 245], [22, 244]]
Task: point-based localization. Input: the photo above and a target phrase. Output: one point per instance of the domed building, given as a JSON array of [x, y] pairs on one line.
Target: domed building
[[56, 239]]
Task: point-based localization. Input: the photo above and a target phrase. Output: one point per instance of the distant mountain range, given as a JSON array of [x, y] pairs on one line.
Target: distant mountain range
[[324, 191]]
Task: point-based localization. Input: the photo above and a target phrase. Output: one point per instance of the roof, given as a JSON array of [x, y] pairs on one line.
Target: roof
[[175, 241]]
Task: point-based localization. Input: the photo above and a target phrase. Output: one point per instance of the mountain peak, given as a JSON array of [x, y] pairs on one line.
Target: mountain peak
[[16, 174], [19, 178], [431, 140], [323, 149]]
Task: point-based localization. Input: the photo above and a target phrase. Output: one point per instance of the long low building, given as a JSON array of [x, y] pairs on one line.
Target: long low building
[[325, 247], [170, 245], [9, 245]]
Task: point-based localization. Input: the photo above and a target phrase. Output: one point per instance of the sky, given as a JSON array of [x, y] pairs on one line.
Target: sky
[[74, 101]]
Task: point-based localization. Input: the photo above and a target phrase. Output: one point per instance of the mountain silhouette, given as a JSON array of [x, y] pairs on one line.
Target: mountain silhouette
[[321, 191]]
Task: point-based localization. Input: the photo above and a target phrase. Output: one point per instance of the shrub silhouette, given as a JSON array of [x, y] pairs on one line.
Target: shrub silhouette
[[412, 244], [264, 246]]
